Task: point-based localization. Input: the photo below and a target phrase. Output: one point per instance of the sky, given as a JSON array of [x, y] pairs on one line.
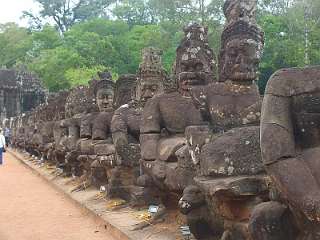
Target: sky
[[11, 10]]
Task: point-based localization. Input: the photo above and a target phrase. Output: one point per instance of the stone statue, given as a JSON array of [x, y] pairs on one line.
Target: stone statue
[[166, 162], [95, 150], [124, 89], [127, 119], [78, 104], [242, 44], [240, 10], [289, 145], [101, 131], [227, 161], [57, 108], [46, 114], [200, 218]]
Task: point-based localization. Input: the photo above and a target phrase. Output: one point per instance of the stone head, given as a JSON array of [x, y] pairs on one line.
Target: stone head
[[240, 9], [79, 101], [195, 64], [59, 105], [124, 89], [104, 93], [151, 75], [192, 198], [241, 52], [105, 75]]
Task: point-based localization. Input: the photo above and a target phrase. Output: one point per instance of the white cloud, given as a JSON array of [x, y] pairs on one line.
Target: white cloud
[[11, 10]]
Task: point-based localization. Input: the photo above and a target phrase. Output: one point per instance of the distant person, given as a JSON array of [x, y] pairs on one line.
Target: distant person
[[7, 135], [2, 145]]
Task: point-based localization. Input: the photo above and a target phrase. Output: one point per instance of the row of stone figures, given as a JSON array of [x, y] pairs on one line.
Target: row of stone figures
[[192, 140]]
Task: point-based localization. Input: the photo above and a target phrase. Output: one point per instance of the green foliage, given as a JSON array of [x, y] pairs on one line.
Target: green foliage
[[14, 44], [53, 64], [83, 40], [82, 76], [66, 13], [285, 36]]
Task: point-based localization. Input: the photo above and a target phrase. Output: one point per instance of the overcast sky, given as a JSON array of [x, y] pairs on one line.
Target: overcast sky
[[11, 10]]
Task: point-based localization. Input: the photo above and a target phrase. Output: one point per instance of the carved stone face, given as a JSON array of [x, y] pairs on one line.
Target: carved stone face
[[148, 88], [105, 100], [241, 59], [192, 198], [193, 71]]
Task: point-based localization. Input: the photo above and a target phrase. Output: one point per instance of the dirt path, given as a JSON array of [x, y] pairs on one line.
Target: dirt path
[[32, 210]]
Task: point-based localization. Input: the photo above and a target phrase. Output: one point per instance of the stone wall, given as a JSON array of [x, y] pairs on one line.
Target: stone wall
[[20, 91]]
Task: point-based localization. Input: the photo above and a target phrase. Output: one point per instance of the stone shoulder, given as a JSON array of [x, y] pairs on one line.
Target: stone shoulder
[[294, 81]]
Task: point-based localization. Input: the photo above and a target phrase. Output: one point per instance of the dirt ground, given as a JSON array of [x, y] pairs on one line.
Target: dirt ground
[[30, 209]]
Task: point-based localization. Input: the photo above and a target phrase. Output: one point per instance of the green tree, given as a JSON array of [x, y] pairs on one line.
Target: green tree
[[134, 12], [66, 13], [283, 48], [53, 64], [15, 42], [81, 76]]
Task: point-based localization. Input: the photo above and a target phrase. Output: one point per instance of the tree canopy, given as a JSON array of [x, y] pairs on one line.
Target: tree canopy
[[85, 36]]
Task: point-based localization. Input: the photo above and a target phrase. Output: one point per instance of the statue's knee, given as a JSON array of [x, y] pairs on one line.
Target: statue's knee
[[272, 221]]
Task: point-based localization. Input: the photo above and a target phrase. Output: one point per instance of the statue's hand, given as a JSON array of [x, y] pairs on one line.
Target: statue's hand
[[200, 102]]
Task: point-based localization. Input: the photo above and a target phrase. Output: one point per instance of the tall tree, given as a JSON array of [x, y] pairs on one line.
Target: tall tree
[[65, 13], [15, 42]]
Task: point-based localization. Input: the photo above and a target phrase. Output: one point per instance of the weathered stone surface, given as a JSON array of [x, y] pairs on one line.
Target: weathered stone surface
[[125, 125], [127, 119], [124, 89], [85, 124], [104, 149], [151, 75], [226, 153], [294, 81], [168, 147], [166, 116], [234, 153], [80, 100], [243, 9], [20, 91], [232, 105], [290, 144], [231, 200], [203, 223], [234, 187], [94, 128], [196, 136], [101, 126], [272, 221], [242, 42], [195, 61]]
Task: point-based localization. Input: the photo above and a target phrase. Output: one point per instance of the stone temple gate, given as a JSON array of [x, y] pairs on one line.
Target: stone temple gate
[[20, 92]]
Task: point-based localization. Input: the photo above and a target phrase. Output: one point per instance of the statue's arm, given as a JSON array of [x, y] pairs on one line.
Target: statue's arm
[[119, 128], [150, 130], [290, 173]]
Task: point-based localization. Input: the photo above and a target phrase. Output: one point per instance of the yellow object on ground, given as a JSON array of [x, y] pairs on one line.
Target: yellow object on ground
[[113, 203]]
